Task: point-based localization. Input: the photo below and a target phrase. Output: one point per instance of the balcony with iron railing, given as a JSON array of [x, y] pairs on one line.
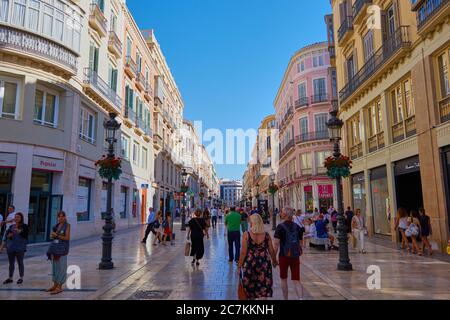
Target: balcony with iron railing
[[289, 146], [376, 142], [332, 51], [359, 10], [356, 151], [130, 67], [430, 13], [444, 109], [391, 49], [97, 20], [100, 91], [302, 102], [130, 115], [37, 48], [346, 29], [319, 98], [141, 82], [114, 44], [312, 136], [148, 91], [404, 129], [157, 141]]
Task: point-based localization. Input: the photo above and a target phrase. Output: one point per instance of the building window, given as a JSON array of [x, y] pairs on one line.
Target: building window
[[123, 202], [303, 127], [83, 199], [4, 5], [144, 158], [320, 121], [444, 84], [368, 46], [354, 136], [93, 57], [320, 90], [87, 125], [320, 160], [306, 163], [112, 78], [113, 22], [46, 107], [135, 153], [125, 147], [403, 110], [9, 99], [129, 46]]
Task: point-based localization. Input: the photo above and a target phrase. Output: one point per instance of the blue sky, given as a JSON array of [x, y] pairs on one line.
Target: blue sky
[[228, 56]]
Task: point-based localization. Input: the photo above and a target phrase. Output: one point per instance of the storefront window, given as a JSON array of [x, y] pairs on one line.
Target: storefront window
[[325, 196], [123, 202], [380, 201], [309, 200], [359, 192], [83, 199]]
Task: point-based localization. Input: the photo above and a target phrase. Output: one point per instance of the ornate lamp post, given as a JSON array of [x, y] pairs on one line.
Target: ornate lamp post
[[111, 125], [273, 188], [334, 125], [183, 191]]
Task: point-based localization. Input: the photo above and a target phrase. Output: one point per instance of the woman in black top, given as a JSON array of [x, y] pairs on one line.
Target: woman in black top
[[16, 244], [197, 231], [425, 230]]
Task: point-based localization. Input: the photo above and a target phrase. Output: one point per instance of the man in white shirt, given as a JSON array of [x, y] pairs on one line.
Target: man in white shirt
[[214, 214], [8, 222]]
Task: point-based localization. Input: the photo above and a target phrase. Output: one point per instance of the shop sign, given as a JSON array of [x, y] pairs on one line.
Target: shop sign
[[407, 166], [308, 189], [8, 160], [48, 164], [86, 172], [325, 191]]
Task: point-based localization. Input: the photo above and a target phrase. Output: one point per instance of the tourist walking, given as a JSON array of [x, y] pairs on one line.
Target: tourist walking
[[167, 227], [214, 216], [9, 221], [157, 226], [16, 244], [413, 231], [197, 232], [287, 240], [401, 224], [207, 217], [256, 259], [150, 224], [425, 231], [233, 224], [359, 230], [348, 219], [334, 220], [57, 253]]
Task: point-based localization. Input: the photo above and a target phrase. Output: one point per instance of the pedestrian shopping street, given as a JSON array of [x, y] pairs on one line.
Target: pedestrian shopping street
[[162, 272]]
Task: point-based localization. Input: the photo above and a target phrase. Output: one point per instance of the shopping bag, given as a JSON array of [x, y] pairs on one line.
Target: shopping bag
[[187, 249]]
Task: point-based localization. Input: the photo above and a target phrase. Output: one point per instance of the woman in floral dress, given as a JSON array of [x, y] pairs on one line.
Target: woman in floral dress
[[255, 263]]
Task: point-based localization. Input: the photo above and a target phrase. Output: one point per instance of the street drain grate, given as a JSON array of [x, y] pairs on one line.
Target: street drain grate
[[150, 295]]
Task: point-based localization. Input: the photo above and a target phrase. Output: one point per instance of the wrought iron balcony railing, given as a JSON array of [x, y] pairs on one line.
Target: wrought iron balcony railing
[[92, 79], [302, 102], [319, 98], [346, 26], [428, 9], [312, 136], [358, 7], [399, 40], [97, 19]]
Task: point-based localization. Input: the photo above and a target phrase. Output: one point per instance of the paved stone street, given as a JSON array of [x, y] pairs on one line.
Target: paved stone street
[[147, 272]]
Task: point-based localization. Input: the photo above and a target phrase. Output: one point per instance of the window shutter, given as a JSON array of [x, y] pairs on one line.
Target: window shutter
[[384, 26], [91, 57], [396, 14]]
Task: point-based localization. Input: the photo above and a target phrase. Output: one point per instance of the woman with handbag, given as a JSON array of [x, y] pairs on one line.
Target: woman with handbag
[[413, 231], [401, 224], [57, 253], [197, 231], [359, 230], [255, 262], [426, 231], [16, 244]]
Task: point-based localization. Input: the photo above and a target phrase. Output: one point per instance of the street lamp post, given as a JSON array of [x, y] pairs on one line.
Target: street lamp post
[[272, 186], [334, 125], [111, 126], [183, 200]]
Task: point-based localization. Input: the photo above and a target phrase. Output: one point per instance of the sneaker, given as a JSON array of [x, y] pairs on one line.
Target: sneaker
[[197, 263], [193, 261], [20, 281], [8, 281]]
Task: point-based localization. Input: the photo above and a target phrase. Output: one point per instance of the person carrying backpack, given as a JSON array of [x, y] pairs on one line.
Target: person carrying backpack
[[288, 237]]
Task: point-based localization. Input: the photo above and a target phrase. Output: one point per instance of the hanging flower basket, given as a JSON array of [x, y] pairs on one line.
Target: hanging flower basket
[[338, 167], [273, 188], [109, 168], [184, 188], [201, 195]]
